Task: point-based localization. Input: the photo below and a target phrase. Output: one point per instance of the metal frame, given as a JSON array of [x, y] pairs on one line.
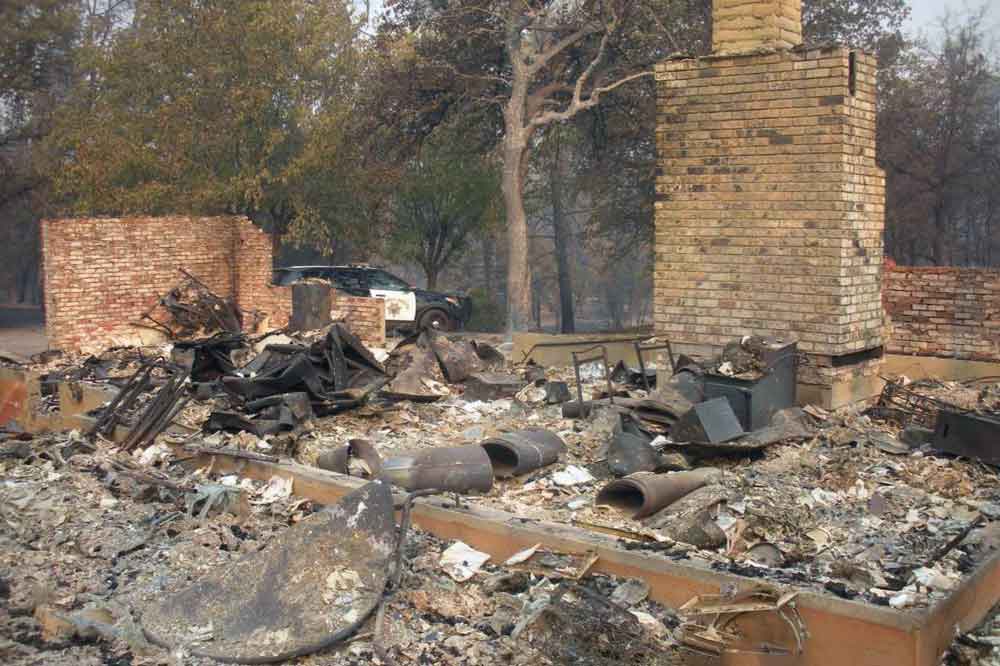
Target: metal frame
[[900, 404], [579, 359], [640, 349], [577, 343]]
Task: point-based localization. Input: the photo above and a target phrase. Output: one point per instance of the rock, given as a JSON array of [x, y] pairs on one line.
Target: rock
[[651, 624]]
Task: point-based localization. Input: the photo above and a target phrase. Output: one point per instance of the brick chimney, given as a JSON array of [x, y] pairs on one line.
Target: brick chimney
[[770, 206], [749, 25]]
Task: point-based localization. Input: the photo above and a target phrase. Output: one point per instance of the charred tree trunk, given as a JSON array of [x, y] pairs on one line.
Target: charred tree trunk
[[536, 305], [560, 231], [432, 278], [489, 266], [275, 248], [940, 244]]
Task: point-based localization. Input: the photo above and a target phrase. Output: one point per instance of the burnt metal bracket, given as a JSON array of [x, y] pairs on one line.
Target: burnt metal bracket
[[580, 357], [640, 349]]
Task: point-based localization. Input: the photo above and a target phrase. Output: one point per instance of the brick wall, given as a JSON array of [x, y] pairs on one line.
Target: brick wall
[[364, 316], [102, 274], [949, 312], [770, 207]]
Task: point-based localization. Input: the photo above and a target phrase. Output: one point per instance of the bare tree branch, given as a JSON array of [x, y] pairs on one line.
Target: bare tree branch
[[543, 58], [579, 104]]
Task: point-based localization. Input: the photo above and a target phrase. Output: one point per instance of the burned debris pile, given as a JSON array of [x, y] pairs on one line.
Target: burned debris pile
[[716, 465], [191, 310], [708, 465]]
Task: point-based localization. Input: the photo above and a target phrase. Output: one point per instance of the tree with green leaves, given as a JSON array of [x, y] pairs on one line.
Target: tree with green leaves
[[37, 39], [444, 201], [205, 106], [40, 45]]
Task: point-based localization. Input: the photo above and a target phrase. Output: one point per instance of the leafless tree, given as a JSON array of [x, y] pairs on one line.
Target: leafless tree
[[939, 141]]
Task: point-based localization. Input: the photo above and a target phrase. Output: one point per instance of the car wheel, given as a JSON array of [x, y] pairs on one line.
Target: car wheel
[[435, 319]]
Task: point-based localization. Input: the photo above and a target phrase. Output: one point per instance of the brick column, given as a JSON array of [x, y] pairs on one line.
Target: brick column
[[770, 207]]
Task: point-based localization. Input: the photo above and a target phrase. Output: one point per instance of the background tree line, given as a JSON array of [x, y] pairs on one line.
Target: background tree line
[[506, 147]]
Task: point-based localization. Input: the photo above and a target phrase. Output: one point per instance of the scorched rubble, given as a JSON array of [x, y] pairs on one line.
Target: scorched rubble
[[846, 504]]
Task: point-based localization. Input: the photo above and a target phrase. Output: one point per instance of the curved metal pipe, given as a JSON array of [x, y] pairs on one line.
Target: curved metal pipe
[[336, 460], [523, 451], [643, 494], [456, 469]]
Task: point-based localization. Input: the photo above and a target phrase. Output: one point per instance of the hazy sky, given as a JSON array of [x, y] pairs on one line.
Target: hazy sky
[[926, 13], [924, 17]]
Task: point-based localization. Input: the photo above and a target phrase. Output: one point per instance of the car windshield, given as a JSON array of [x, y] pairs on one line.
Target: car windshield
[[383, 280]]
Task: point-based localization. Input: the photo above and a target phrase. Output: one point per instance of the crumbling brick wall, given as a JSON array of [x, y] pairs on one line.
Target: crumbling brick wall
[[949, 312], [364, 316], [770, 207], [102, 274]]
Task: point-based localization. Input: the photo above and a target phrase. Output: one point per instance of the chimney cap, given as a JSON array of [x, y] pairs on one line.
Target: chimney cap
[[754, 25]]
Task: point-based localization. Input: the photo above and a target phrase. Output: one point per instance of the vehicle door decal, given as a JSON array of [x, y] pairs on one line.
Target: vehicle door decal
[[399, 305]]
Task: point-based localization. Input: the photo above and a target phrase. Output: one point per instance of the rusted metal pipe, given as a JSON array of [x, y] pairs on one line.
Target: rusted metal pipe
[[457, 469], [644, 493], [523, 451], [336, 460]]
